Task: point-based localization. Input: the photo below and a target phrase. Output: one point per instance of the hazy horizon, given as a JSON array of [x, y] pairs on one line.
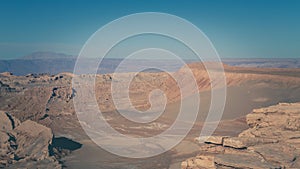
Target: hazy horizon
[[74, 56]]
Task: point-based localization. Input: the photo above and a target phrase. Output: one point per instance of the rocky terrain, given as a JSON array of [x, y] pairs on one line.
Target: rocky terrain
[[272, 141], [46, 101], [29, 144], [25, 145]]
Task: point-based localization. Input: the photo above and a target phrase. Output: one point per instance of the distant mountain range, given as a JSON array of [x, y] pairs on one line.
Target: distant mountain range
[[53, 63], [48, 55], [265, 63]]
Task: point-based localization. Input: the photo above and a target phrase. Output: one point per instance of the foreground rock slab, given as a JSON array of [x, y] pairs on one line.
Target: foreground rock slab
[[272, 141], [249, 160]]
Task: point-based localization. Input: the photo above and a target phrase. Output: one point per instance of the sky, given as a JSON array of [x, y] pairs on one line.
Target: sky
[[237, 28]]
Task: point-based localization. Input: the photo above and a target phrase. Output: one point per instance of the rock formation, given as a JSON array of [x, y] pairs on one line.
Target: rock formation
[[272, 141], [25, 145]]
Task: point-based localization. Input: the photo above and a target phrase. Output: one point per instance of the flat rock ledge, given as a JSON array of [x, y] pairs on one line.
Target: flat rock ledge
[[25, 145], [272, 141]]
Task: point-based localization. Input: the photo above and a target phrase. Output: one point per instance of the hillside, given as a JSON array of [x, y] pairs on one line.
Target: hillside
[[48, 100]]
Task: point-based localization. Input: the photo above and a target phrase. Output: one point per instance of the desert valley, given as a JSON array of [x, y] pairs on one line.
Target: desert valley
[[40, 129], [130, 84]]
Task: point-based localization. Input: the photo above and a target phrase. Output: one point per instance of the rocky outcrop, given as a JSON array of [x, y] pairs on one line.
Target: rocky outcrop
[[32, 140], [6, 88], [25, 145], [241, 161], [272, 141], [205, 161]]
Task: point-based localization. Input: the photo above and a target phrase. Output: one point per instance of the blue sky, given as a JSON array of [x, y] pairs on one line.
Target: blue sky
[[237, 28]]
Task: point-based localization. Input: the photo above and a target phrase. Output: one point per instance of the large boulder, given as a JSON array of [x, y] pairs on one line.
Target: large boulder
[[25, 145], [200, 161], [33, 140]]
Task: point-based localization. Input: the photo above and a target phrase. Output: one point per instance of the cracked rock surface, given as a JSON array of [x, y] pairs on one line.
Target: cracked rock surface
[[272, 141]]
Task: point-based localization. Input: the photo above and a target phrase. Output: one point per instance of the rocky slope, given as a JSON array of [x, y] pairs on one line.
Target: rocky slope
[[272, 141], [25, 145], [45, 95]]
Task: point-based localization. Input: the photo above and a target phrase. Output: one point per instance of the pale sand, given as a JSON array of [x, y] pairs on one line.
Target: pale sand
[[240, 101]]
